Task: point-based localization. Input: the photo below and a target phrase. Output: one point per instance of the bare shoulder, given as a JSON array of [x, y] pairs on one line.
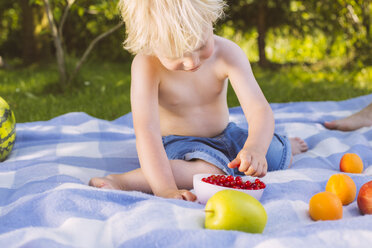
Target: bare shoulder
[[231, 57], [144, 67], [144, 61], [228, 51]]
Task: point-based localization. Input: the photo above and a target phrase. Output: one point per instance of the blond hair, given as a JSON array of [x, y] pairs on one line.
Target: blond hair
[[173, 27]]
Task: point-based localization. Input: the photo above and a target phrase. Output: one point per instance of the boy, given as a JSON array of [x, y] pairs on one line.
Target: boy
[[179, 105]]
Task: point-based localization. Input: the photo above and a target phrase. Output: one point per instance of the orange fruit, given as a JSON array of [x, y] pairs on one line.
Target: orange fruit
[[325, 206], [351, 163], [343, 186]]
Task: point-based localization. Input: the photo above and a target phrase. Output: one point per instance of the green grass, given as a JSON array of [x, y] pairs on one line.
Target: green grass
[[302, 83], [102, 89], [35, 94]]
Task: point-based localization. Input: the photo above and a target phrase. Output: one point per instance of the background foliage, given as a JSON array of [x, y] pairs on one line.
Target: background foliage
[[300, 50]]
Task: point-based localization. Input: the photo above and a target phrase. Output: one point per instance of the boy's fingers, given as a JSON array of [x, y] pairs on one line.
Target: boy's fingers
[[251, 171], [178, 196], [259, 171], [252, 168], [263, 169], [235, 163], [245, 164], [261, 174], [188, 196]]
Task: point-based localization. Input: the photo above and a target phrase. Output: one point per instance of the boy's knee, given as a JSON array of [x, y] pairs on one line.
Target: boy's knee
[[198, 166], [206, 167]]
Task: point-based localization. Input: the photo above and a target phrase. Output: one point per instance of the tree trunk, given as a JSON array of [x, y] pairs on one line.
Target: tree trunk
[[366, 13], [29, 47], [261, 29], [57, 43], [90, 48]]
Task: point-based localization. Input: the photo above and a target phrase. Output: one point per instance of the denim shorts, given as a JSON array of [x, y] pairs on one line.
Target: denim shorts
[[223, 148]]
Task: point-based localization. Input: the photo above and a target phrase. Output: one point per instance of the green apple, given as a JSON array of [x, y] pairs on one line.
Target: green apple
[[235, 210]]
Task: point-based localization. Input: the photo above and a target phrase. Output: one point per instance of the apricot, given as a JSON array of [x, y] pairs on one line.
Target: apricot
[[364, 199], [343, 186], [351, 163], [325, 206]]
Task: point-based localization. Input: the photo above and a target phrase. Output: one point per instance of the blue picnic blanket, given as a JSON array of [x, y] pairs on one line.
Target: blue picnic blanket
[[45, 200]]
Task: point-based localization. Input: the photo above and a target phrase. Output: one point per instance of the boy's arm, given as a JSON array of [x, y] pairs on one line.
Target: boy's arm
[[144, 103], [256, 110]]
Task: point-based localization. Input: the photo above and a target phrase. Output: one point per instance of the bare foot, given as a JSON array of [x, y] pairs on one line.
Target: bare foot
[[108, 182], [298, 145], [363, 118]]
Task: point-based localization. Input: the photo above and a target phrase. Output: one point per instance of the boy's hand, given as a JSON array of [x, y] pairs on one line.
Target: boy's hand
[[251, 162], [180, 194]]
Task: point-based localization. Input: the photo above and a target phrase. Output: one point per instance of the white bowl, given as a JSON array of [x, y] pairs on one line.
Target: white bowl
[[204, 190]]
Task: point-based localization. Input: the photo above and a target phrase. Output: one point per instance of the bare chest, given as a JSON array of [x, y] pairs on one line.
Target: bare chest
[[180, 90]]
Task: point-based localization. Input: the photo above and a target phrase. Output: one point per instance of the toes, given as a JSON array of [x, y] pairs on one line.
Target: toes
[[97, 182], [108, 182], [91, 182], [330, 124], [301, 143], [304, 147], [299, 140], [298, 145]]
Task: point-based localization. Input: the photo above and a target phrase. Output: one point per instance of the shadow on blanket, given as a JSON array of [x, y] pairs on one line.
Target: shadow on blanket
[[45, 200]]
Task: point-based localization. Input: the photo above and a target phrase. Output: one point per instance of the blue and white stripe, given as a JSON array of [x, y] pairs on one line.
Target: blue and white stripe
[[45, 200]]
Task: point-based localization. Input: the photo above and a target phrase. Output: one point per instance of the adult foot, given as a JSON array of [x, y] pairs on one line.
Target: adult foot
[[108, 182], [298, 145], [363, 118]]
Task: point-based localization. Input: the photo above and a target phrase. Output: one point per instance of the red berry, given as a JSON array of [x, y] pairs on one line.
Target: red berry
[[234, 182], [262, 185]]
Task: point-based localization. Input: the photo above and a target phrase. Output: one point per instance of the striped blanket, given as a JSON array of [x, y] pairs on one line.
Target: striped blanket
[[45, 200]]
